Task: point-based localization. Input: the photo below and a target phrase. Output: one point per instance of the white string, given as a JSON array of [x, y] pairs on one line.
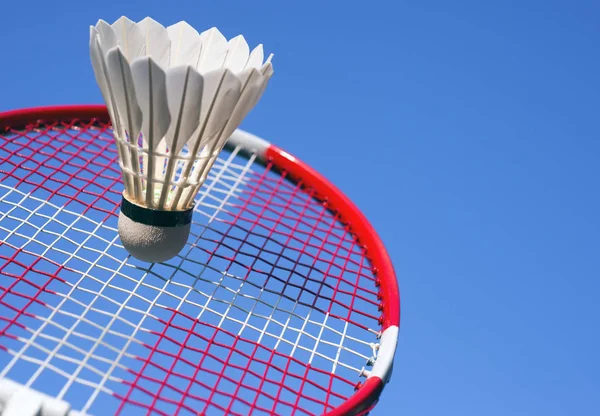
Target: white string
[[210, 186], [217, 197]]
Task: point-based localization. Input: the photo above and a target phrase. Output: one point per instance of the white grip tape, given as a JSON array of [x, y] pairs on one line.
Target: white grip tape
[[18, 400], [385, 356], [249, 142]]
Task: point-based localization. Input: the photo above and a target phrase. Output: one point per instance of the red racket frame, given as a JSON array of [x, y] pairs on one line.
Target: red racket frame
[[368, 393]]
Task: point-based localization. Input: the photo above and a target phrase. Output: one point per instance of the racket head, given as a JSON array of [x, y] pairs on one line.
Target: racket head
[[283, 301]]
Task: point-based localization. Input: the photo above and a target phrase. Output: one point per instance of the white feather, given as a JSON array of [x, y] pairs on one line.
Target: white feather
[[151, 91], [185, 45], [100, 72], [242, 105], [184, 98], [217, 105], [149, 81], [267, 68], [214, 50], [237, 55], [261, 88], [255, 60], [211, 119], [157, 41], [106, 36], [97, 58], [130, 38], [223, 103], [245, 103], [121, 80]]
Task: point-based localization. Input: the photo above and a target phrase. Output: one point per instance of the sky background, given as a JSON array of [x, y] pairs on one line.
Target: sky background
[[466, 131]]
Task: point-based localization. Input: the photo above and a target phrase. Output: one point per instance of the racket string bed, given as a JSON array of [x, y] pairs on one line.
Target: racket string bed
[[272, 306]]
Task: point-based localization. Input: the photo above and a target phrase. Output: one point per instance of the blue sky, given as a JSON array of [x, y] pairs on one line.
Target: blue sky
[[467, 132]]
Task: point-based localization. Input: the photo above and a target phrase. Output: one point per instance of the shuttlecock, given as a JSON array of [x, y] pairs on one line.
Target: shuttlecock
[[174, 97]]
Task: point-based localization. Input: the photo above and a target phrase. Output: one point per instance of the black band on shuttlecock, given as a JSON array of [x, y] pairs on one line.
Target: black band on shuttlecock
[[149, 216]]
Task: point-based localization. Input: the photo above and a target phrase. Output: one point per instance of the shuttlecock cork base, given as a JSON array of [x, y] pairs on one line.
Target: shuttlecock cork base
[[152, 235]]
